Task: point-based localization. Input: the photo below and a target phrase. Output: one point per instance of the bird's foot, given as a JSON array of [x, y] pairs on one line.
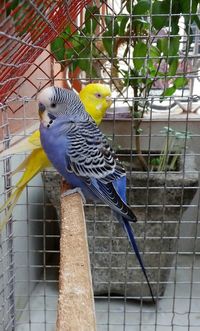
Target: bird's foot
[[74, 190]]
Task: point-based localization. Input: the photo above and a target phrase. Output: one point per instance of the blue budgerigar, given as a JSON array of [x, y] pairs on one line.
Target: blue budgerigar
[[81, 154]]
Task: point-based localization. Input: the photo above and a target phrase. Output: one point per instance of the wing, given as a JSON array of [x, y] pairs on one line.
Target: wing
[[90, 154], [91, 158]]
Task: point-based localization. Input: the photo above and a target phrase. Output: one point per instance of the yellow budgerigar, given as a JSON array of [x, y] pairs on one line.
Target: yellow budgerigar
[[96, 99]]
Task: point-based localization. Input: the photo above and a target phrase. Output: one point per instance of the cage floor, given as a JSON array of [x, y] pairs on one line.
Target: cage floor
[[178, 314]]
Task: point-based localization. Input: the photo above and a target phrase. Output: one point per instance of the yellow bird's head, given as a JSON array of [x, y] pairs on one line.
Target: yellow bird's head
[[96, 98]]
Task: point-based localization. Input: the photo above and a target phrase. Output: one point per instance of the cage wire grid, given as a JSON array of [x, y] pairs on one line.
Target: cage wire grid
[[169, 241]]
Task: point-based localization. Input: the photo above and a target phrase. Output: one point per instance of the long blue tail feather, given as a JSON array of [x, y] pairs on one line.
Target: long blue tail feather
[[129, 232]]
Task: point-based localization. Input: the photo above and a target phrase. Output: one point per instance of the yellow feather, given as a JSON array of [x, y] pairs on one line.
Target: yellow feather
[[96, 99], [35, 139], [33, 164]]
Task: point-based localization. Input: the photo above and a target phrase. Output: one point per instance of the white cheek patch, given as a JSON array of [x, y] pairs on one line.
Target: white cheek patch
[[45, 119], [98, 107]]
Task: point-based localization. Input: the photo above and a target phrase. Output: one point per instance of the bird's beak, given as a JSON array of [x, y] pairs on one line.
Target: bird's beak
[[41, 109], [109, 100]]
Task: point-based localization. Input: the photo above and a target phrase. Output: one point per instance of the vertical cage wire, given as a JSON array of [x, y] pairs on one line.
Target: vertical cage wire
[[7, 292]]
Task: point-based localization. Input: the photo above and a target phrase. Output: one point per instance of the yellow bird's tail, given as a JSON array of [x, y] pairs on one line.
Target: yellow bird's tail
[[32, 165], [25, 145]]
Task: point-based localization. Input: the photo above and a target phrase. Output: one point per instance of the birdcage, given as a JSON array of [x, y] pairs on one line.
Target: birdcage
[[148, 53]]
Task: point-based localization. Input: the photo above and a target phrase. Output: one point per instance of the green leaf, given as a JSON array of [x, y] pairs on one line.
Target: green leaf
[[169, 46], [108, 42], [152, 72], [174, 24], [75, 39], [162, 45], [123, 24], [169, 91], [190, 7], [139, 54], [139, 24], [58, 48], [154, 52], [113, 27], [197, 21], [108, 20], [129, 6], [155, 161], [186, 6], [116, 28], [84, 61], [91, 20], [69, 53], [66, 32], [137, 114], [159, 8], [174, 46], [84, 64], [180, 82], [173, 67], [73, 66], [147, 81], [130, 78], [141, 7]]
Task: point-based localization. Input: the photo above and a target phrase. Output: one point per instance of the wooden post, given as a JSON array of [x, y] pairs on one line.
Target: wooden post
[[76, 301]]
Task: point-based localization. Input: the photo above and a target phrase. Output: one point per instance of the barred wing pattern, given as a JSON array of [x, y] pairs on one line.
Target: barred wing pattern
[[90, 154], [92, 159]]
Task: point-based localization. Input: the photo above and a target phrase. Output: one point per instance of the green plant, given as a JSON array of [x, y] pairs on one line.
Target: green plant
[[137, 48], [175, 142]]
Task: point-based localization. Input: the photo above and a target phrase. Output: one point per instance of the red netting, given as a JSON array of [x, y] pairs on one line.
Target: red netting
[[26, 31]]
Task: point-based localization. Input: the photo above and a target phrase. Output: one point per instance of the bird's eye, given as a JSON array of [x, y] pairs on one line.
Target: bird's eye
[[98, 95], [53, 105]]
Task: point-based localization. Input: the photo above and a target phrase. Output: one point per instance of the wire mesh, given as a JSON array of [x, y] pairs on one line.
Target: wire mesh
[[27, 28], [166, 202]]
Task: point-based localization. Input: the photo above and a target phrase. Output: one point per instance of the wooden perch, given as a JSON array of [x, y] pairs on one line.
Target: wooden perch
[[76, 301]]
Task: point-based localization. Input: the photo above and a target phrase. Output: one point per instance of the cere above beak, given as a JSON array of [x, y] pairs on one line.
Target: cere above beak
[[109, 100], [42, 107]]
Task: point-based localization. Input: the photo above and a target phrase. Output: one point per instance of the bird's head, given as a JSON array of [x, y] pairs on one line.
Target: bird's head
[[96, 98], [55, 101]]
